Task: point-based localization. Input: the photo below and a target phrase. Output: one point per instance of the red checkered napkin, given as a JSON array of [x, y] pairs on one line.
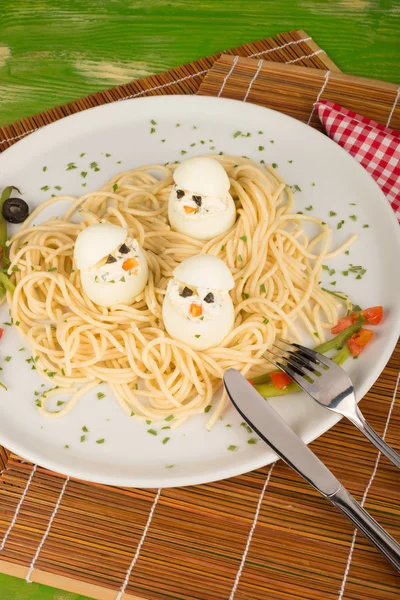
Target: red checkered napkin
[[375, 146]]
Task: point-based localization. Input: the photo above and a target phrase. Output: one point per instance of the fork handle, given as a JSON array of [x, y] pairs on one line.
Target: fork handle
[[360, 422], [367, 524]]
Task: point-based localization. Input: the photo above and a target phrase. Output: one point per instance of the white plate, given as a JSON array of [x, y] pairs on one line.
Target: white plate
[[130, 456]]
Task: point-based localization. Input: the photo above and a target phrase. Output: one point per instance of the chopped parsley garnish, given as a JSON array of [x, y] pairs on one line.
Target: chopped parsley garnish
[[82, 154], [353, 217], [240, 259], [352, 204], [93, 165], [309, 207], [207, 408], [178, 125], [132, 414], [8, 358], [243, 238], [365, 226], [165, 427], [222, 248], [148, 422], [100, 395], [100, 441], [169, 418], [62, 372], [265, 321], [51, 373], [246, 295], [290, 162], [183, 152], [298, 189], [247, 427], [58, 187], [262, 288], [52, 269], [165, 440], [337, 295], [197, 335], [332, 283], [71, 166], [274, 166], [313, 184], [237, 133], [84, 428], [252, 441], [260, 132], [169, 466], [21, 349], [347, 252], [60, 402], [191, 145], [153, 122], [152, 130], [163, 141], [45, 188], [232, 448], [83, 438], [44, 169], [83, 173], [152, 432], [115, 187], [66, 446], [261, 148], [340, 225], [345, 273], [316, 334], [228, 425], [332, 213]]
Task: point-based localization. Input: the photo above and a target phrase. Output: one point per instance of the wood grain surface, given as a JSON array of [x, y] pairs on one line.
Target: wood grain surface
[[54, 51]]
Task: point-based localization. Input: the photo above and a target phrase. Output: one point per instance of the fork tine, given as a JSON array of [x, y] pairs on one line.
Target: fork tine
[[301, 367], [311, 355], [304, 361]]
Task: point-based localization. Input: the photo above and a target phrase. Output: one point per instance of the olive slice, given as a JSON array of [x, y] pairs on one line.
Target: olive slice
[[15, 210], [110, 259], [186, 292], [209, 298], [124, 249], [180, 194], [197, 200]]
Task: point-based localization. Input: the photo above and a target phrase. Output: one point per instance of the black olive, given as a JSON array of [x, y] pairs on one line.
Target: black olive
[[209, 298], [15, 210], [186, 292], [110, 259], [197, 199], [180, 194], [124, 249]]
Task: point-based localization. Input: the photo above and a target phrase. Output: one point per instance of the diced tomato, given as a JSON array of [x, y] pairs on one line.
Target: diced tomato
[[195, 310], [251, 381], [280, 379], [130, 263], [343, 324], [1, 333], [373, 315], [189, 209], [359, 340]]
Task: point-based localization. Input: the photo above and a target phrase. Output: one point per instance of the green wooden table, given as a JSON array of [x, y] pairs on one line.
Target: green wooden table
[[54, 51]]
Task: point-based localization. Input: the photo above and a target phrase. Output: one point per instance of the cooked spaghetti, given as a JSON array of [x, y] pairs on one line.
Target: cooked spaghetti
[[77, 344]]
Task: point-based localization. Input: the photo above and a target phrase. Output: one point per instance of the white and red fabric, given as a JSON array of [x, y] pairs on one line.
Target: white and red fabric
[[374, 146]]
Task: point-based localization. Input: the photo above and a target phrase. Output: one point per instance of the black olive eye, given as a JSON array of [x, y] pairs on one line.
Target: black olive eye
[[209, 298], [197, 199], [180, 194], [124, 249], [186, 292], [110, 259], [15, 210]]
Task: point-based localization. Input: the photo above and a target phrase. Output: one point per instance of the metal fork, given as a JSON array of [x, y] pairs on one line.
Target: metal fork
[[328, 384]]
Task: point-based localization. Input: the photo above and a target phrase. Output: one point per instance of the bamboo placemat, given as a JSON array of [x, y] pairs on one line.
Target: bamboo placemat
[[293, 90], [264, 535]]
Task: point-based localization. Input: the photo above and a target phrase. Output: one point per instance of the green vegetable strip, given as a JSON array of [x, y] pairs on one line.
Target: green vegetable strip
[[266, 388], [7, 283]]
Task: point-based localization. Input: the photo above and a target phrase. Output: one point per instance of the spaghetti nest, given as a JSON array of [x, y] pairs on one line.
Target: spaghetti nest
[[77, 344]]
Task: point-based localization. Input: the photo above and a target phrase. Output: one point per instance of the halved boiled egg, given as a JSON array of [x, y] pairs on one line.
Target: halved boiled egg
[[197, 308], [113, 266], [200, 204]]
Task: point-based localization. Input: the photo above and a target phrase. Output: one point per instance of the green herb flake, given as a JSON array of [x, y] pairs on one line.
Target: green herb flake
[[83, 438], [246, 295], [261, 148], [60, 402], [21, 350], [44, 169], [228, 425], [347, 252], [352, 204], [152, 130], [237, 133], [100, 395], [332, 283], [262, 288], [340, 225], [52, 269], [207, 408], [71, 166], [115, 187], [84, 428], [163, 141], [192, 145], [223, 248], [45, 188], [132, 414], [313, 184], [169, 466], [152, 432], [260, 132], [83, 174], [183, 152], [232, 448], [58, 187], [309, 207], [165, 440], [62, 372], [100, 441], [290, 162], [274, 165], [178, 125], [265, 321], [66, 446], [353, 217], [153, 122], [8, 358], [165, 427], [316, 334], [243, 238], [169, 418], [252, 441], [148, 422], [332, 213], [197, 335], [365, 226], [240, 259]]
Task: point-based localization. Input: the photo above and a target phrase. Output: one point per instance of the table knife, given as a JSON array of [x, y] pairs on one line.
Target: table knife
[[277, 434]]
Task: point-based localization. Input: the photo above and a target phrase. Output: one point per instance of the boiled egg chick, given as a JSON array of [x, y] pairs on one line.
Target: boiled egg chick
[[112, 264], [197, 308], [200, 204]]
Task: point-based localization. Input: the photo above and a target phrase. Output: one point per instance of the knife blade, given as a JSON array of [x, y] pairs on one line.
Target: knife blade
[[277, 434]]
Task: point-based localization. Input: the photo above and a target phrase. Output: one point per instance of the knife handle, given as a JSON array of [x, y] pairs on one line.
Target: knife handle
[[365, 523]]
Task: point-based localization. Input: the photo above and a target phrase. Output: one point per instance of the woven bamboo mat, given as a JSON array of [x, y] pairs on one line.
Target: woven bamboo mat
[[265, 535]]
